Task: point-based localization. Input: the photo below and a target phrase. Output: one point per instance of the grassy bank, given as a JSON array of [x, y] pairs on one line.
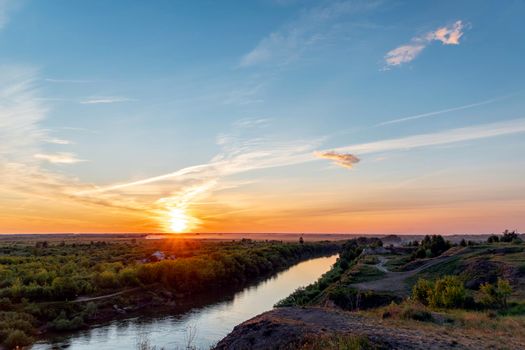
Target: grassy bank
[[474, 289]]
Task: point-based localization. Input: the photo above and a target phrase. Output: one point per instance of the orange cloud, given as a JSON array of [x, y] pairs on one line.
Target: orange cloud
[[346, 160]]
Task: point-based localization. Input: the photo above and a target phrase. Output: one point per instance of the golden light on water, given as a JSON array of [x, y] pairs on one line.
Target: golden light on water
[[178, 220]]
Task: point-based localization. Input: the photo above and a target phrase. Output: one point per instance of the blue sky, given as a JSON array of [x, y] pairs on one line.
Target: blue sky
[[275, 102]]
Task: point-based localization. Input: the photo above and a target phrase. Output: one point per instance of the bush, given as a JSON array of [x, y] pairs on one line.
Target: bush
[[5, 304], [16, 338], [106, 280], [495, 295], [128, 277], [422, 291], [446, 292], [417, 314], [62, 323]]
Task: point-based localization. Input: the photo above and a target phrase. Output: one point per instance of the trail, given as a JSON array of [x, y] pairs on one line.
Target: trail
[[106, 296], [395, 281]]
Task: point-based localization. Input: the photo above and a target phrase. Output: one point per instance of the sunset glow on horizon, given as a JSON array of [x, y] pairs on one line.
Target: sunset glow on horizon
[[269, 116]]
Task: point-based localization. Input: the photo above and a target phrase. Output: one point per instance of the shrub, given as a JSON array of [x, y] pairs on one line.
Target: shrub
[[493, 239], [128, 277], [62, 323], [446, 292], [16, 338], [449, 292], [5, 304], [106, 279], [495, 295], [422, 291], [415, 312]]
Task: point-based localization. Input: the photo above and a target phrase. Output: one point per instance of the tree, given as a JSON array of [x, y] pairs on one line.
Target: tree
[[463, 243], [493, 239], [509, 236], [301, 240]]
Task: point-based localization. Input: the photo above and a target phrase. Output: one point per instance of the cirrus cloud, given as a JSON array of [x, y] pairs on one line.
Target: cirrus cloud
[[59, 158]]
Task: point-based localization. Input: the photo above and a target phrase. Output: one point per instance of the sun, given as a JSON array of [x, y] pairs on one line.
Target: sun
[[178, 220]]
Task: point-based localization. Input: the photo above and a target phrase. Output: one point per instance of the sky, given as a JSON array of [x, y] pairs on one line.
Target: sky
[[354, 116]]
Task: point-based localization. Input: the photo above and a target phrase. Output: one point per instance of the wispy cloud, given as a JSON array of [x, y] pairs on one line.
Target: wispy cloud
[[309, 28], [251, 122], [20, 115], [68, 81], [59, 158], [346, 160], [58, 141], [448, 35], [438, 138], [245, 95], [180, 189], [443, 111], [245, 155], [105, 100], [5, 8]]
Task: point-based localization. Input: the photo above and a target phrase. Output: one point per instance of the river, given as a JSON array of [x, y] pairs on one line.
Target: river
[[205, 324]]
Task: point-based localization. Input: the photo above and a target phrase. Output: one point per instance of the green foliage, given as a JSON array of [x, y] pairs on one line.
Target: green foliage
[[493, 239], [445, 292], [62, 323], [351, 250], [495, 295], [351, 299], [106, 280], [422, 291], [431, 246], [15, 338], [509, 236], [16, 328], [33, 274]]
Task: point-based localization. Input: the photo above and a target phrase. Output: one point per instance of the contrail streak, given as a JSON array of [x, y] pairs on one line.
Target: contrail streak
[[443, 111]]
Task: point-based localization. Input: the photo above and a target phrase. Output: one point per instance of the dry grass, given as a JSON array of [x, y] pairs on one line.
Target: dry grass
[[459, 323], [337, 342]]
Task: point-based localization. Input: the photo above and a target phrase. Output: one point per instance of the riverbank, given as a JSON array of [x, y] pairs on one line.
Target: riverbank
[[466, 296], [41, 283], [210, 319]]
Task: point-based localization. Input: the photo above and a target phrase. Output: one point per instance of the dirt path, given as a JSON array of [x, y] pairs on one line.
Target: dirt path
[[106, 296], [381, 265], [395, 281], [281, 328]]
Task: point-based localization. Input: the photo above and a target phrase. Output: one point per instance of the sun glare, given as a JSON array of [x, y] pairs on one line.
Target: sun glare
[[178, 220]]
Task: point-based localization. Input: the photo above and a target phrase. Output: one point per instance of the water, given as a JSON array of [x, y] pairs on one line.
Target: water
[[209, 323]]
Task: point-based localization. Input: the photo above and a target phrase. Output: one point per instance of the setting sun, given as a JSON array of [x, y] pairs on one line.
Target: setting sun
[[178, 220]]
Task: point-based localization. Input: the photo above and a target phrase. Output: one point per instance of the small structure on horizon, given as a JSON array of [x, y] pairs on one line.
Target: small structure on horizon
[[158, 256]]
